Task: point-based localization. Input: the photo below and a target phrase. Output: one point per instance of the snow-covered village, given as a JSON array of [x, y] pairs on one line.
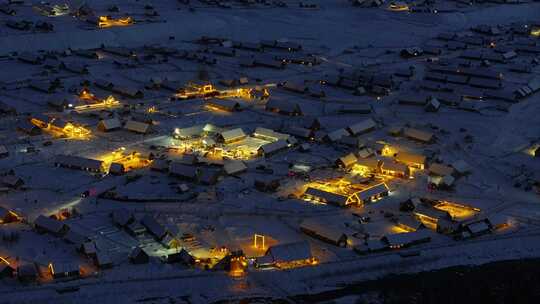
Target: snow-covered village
[[264, 151]]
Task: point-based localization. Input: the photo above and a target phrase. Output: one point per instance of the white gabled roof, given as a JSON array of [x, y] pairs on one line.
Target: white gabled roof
[[321, 227], [234, 167], [402, 239], [136, 126], [440, 169], [290, 252], [419, 135], [234, 134], [362, 127], [110, 124]]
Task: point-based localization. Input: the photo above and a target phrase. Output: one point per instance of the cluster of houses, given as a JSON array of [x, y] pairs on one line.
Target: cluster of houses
[[56, 126], [205, 153], [232, 143]]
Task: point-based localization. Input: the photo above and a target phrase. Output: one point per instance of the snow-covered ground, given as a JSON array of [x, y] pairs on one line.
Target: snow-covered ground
[[494, 140]]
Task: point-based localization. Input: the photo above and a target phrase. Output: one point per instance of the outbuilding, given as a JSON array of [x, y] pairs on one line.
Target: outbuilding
[[402, 240], [63, 270], [107, 125], [346, 161], [288, 255], [137, 127], [362, 127], [418, 135], [440, 170], [44, 224], [318, 228]]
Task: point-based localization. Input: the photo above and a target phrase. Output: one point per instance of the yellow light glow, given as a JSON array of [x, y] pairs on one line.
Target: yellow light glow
[[4, 260], [259, 241], [130, 161], [86, 95], [210, 91], [105, 21], [398, 7], [397, 229], [76, 132], [457, 211], [108, 102]]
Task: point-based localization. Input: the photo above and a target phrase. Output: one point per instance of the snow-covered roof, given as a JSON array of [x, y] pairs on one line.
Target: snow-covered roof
[[409, 238], [374, 191], [327, 197], [419, 135], [49, 224], [362, 127], [234, 167], [137, 127], [290, 252]]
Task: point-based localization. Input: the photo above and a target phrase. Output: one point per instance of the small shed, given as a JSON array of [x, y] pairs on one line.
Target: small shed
[[137, 127], [418, 135], [346, 161], [62, 270], [401, 240], [440, 170], [362, 127], [88, 249], [107, 125], [44, 224]]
